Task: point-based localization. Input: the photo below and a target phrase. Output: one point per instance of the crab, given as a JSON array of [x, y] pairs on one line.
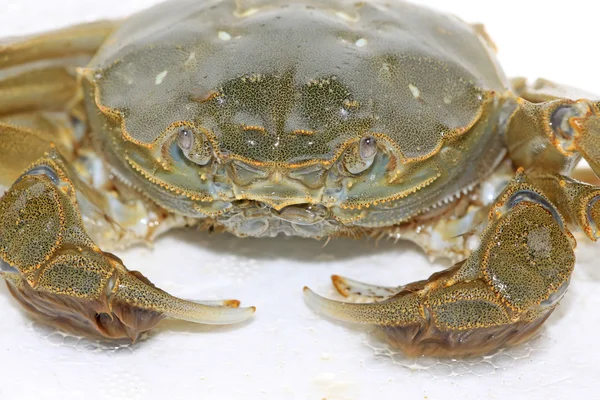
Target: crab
[[305, 118]]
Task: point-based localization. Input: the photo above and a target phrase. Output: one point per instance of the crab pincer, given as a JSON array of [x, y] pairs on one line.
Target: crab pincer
[[56, 271], [497, 297]]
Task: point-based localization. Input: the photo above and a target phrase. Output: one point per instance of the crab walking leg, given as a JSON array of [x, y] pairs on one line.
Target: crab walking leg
[[41, 108], [40, 97], [39, 72], [550, 131], [56, 271], [499, 296]]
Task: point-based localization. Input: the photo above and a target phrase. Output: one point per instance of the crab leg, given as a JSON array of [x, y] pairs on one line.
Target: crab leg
[[39, 72], [41, 107], [499, 296], [549, 132], [56, 271], [40, 95]]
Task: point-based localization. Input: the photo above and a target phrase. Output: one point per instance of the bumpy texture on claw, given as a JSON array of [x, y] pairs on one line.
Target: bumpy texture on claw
[[56, 271], [497, 297]]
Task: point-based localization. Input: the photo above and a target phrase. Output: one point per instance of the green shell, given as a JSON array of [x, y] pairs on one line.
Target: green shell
[[288, 87], [336, 69]]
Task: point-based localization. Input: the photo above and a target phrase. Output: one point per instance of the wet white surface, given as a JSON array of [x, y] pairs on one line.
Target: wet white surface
[[286, 351]]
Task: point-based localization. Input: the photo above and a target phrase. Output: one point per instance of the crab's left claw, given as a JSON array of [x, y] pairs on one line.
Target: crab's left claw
[[56, 271], [497, 297]]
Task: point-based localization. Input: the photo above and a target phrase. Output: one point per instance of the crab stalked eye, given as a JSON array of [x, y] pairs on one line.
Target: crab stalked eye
[[194, 145], [367, 148], [185, 139], [360, 157]]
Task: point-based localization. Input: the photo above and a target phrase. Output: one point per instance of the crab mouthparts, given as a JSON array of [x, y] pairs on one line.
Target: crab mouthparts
[[258, 219]]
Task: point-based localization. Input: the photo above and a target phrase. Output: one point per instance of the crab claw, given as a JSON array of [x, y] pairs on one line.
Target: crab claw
[[499, 296], [123, 306], [54, 269]]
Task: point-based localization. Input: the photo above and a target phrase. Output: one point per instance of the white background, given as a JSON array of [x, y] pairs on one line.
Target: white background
[[286, 352]]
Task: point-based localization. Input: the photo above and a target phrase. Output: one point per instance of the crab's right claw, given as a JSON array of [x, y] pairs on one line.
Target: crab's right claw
[[497, 297], [56, 271]]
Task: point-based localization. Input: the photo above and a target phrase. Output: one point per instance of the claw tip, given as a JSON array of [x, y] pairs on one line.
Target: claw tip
[[231, 303], [340, 285]]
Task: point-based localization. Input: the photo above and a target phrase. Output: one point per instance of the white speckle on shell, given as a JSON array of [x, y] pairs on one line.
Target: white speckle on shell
[[414, 90], [224, 36], [191, 58], [346, 17], [362, 42], [160, 77]]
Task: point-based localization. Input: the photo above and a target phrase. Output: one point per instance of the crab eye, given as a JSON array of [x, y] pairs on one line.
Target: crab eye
[[185, 139], [367, 147], [194, 146], [359, 158]]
